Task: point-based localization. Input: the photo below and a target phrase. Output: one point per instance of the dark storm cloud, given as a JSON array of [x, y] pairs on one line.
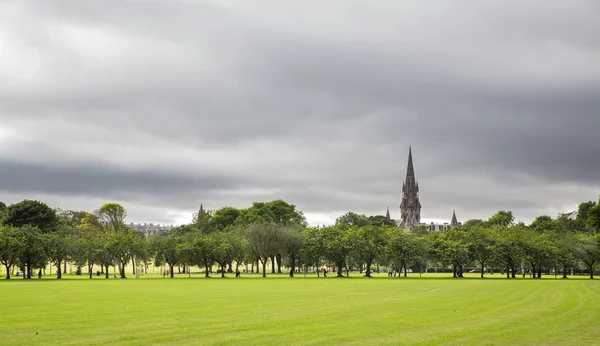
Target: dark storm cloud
[[166, 105]]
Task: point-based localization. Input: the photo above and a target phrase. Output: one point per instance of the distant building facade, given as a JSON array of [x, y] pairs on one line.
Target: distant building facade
[[148, 229]]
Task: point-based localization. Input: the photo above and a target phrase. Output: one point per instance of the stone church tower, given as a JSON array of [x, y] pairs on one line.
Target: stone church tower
[[410, 208]]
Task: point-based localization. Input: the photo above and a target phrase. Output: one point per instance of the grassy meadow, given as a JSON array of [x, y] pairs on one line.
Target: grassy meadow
[[435, 309]]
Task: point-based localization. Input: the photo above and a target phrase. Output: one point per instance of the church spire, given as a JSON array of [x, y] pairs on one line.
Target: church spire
[[454, 221], [387, 213], [201, 210], [410, 207], [410, 171]]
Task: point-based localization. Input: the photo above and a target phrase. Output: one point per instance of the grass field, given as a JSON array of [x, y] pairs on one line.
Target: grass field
[[302, 311]]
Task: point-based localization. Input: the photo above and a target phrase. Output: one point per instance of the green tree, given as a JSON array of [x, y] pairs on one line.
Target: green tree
[[351, 219], [380, 220], [313, 246], [292, 245], [369, 244], [10, 247], [404, 249], [508, 247], [264, 240], [32, 254], [587, 250], [336, 246], [481, 245], [450, 246], [224, 218], [593, 218], [582, 215], [33, 213], [58, 247], [501, 218], [165, 247]]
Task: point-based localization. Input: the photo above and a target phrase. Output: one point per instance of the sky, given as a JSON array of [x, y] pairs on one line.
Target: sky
[[164, 105]]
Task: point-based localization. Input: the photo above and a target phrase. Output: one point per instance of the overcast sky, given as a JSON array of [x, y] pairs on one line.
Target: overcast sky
[[163, 105]]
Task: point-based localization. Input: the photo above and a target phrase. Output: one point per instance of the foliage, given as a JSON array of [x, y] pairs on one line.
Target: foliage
[[33, 213]]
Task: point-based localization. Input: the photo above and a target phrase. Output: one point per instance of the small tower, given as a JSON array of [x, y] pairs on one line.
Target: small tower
[[454, 221], [387, 213]]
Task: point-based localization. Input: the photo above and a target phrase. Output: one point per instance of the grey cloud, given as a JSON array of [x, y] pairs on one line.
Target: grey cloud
[[165, 105]]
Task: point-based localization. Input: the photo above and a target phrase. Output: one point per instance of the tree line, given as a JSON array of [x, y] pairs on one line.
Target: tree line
[[34, 235]]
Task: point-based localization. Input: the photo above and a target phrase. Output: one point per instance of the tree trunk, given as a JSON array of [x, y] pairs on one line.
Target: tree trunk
[[122, 270], [539, 272], [7, 272], [58, 272], [171, 274], [512, 269], [591, 271], [206, 271], [339, 271], [106, 273], [564, 271], [272, 264], [264, 268], [64, 267], [507, 272], [293, 265], [230, 267], [347, 275], [28, 270], [368, 274], [278, 256], [223, 270], [90, 268], [405, 270], [454, 271], [252, 268], [482, 268]]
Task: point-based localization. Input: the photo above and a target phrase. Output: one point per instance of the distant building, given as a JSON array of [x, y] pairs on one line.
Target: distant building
[[410, 206], [148, 229]]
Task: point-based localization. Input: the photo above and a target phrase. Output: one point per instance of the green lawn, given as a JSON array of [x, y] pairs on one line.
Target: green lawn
[[303, 311]]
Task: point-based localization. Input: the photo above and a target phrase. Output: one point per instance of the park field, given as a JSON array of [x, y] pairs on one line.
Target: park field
[[279, 310]]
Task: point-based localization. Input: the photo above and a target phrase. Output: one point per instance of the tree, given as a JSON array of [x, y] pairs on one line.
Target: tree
[[481, 245], [564, 241], [223, 249], [588, 250], [165, 247], [336, 246], [369, 243], [263, 241], [58, 247], [224, 218], [10, 247], [121, 245], [380, 220], [501, 218], [292, 245], [351, 219], [508, 247], [313, 246], [33, 213], [593, 218], [113, 215], [582, 215], [450, 246], [404, 249], [32, 253]]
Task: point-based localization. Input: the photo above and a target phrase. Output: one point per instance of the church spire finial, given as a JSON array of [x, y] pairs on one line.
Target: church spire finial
[[387, 213]]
